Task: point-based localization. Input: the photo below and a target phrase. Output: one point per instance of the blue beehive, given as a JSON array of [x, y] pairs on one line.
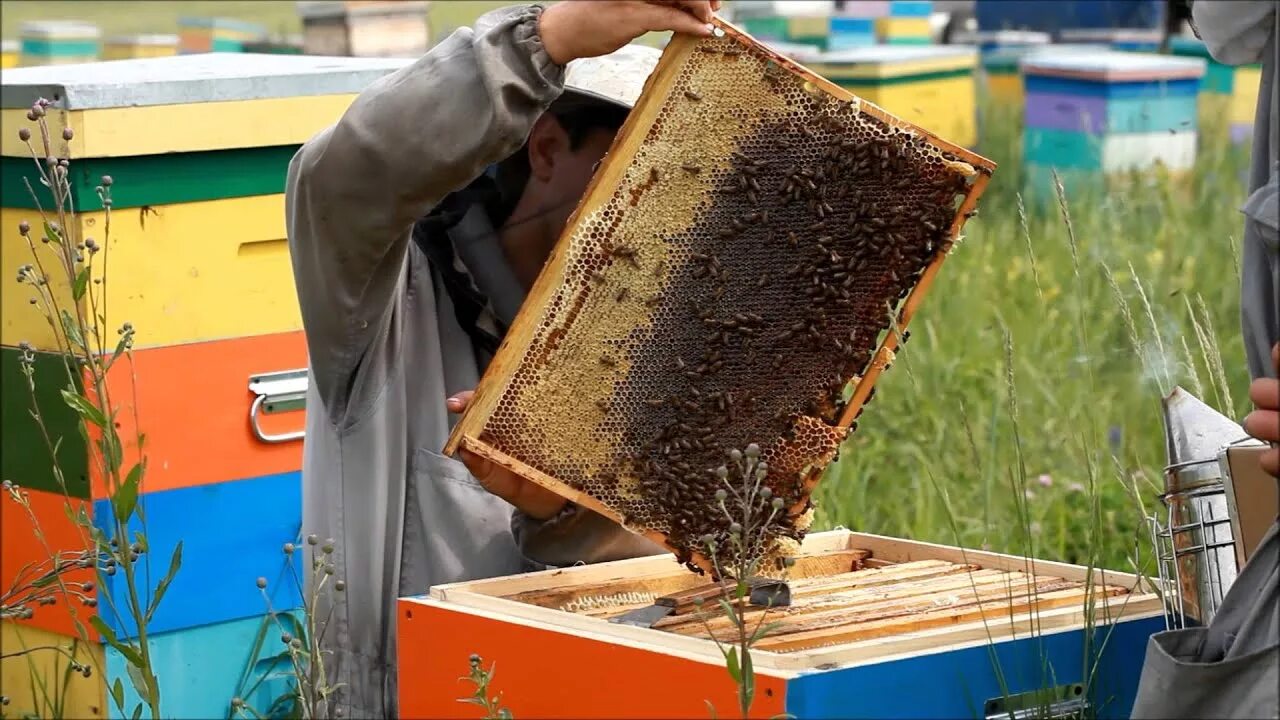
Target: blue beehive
[[1091, 114]]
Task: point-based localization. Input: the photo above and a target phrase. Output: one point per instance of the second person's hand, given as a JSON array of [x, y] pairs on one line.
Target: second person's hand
[[573, 29]]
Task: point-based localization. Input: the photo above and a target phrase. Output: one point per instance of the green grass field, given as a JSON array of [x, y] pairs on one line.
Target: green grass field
[[1024, 414]]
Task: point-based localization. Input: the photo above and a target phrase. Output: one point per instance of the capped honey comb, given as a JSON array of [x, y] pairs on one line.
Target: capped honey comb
[[750, 250]]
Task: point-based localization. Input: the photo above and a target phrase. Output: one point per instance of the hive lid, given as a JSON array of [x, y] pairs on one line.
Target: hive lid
[[864, 9], [60, 30], [1112, 34], [1113, 66], [890, 61], [221, 23], [203, 77], [1000, 38], [317, 9], [153, 39]]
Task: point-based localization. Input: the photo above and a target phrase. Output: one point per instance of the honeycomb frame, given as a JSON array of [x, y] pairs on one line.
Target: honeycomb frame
[[639, 264]]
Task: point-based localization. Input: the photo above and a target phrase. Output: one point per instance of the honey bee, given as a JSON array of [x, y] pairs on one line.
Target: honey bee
[[692, 95]]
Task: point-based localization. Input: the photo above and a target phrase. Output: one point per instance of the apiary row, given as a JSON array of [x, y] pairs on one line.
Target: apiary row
[[198, 265], [857, 24]]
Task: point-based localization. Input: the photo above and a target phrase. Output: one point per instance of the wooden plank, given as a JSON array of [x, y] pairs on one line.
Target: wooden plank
[[880, 575], [937, 618], [847, 606], [620, 571]]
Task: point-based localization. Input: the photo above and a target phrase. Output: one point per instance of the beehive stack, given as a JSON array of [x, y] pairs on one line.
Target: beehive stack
[[10, 53], [1000, 51], [365, 29], [1117, 38], [1229, 91], [216, 34], [730, 271], [876, 627], [59, 42], [854, 25], [127, 47], [198, 148], [931, 86], [907, 23], [1107, 113]]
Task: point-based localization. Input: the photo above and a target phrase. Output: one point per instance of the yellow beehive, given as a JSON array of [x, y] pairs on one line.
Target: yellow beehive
[[10, 52], [927, 85], [125, 47], [728, 275]]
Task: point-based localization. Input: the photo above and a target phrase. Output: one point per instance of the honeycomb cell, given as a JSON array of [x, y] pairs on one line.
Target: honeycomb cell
[[744, 268]]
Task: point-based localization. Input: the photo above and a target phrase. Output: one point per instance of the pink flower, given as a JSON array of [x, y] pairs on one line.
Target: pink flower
[[1045, 480]]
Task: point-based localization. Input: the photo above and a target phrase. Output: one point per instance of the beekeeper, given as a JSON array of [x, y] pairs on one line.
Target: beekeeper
[[1231, 669], [416, 225]]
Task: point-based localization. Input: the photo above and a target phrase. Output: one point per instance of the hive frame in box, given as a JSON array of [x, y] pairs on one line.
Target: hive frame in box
[[466, 434], [488, 598]]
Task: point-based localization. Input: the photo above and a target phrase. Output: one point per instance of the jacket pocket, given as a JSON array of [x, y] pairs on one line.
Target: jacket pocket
[[1262, 210], [455, 530], [1175, 684]]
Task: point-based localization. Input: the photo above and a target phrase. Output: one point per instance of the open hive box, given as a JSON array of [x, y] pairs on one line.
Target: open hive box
[[739, 271], [876, 627]]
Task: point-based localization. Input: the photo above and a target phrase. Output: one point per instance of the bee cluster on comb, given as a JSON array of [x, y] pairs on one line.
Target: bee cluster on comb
[[741, 256]]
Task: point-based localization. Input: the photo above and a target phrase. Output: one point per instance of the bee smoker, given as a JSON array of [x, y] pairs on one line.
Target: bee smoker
[[1195, 548]]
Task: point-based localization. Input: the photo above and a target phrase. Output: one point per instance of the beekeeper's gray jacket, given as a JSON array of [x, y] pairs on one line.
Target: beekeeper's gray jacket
[[1231, 669], [386, 349]]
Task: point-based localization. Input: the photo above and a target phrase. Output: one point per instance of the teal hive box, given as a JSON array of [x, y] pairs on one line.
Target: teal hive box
[[772, 27], [216, 34], [201, 669], [60, 42]]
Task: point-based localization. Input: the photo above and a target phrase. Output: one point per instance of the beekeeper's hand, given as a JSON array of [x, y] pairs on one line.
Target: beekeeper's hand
[[527, 496], [575, 29], [1264, 422]]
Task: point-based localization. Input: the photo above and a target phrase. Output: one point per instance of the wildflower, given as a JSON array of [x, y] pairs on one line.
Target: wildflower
[[288, 548], [286, 638], [475, 660], [24, 227], [766, 493], [262, 583], [67, 134], [340, 586], [722, 494], [777, 503], [106, 181], [24, 134], [1029, 494], [1045, 480], [1075, 487]]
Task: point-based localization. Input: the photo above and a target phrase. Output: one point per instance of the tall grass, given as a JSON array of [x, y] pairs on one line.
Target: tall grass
[[1145, 298]]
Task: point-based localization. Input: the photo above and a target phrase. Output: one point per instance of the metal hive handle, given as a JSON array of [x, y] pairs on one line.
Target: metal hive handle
[[275, 393]]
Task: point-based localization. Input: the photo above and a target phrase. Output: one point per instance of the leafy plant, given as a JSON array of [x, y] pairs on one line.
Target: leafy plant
[[749, 508], [480, 678], [63, 262], [312, 691]]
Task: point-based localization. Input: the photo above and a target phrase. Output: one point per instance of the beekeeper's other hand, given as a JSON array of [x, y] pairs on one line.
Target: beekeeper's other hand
[[1264, 422], [574, 29]]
